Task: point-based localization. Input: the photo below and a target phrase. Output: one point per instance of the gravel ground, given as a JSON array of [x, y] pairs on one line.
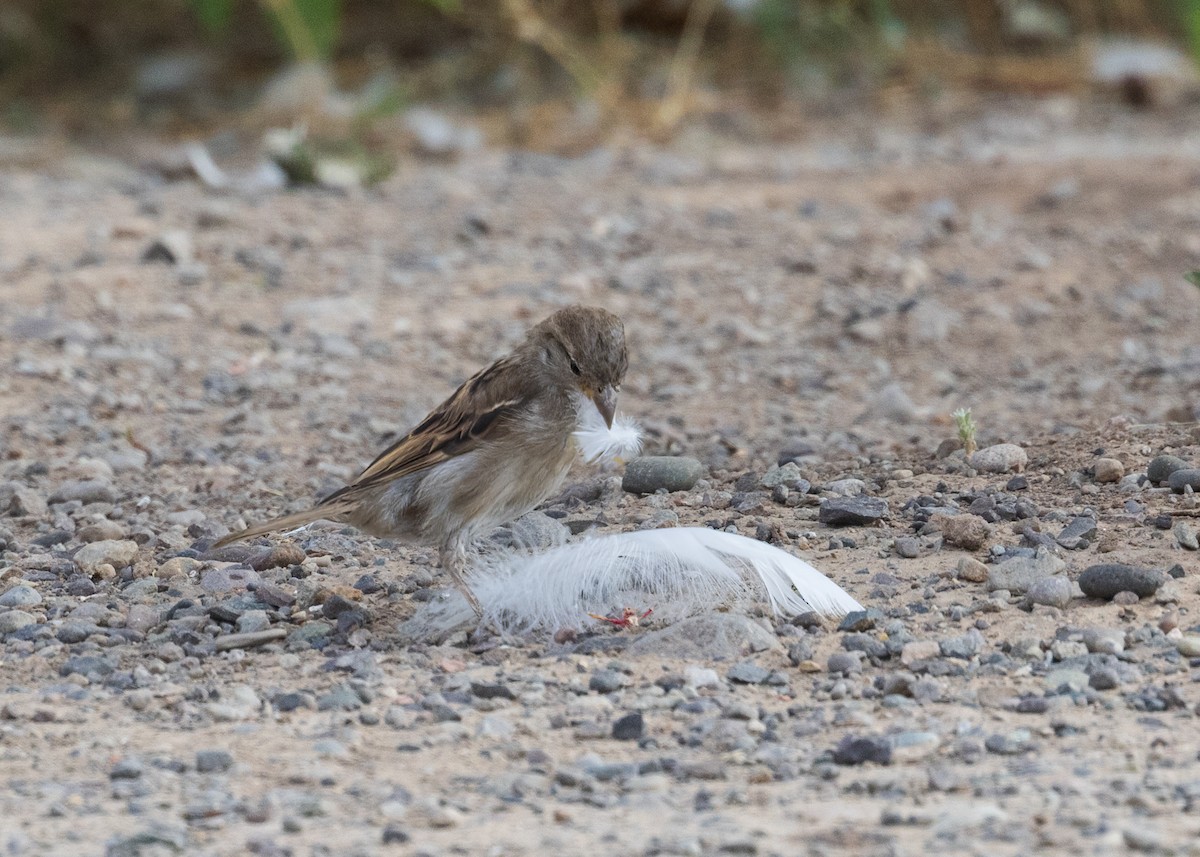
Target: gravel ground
[[802, 320]]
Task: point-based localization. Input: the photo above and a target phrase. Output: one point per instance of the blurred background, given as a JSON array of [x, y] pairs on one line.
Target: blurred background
[[561, 74]]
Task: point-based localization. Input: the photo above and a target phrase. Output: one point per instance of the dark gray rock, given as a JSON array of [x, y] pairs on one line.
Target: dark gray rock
[[75, 632], [492, 691], [1162, 466], [843, 663], [1180, 479], [857, 751], [213, 761], [1078, 534], [1106, 580], [606, 681], [861, 620], [648, 474], [127, 768], [630, 727], [852, 511]]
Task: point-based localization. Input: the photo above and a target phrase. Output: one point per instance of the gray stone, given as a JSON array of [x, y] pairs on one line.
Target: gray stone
[[1020, 572], [861, 620], [71, 631], [142, 617], [228, 578], [485, 690], [747, 672], [907, 547], [629, 728], [533, 531], [857, 751], [155, 841], [1106, 580], [972, 570], [716, 636], [963, 647], [1001, 458], [1050, 591], [15, 620], [852, 511], [843, 663], [126, 768], [100, 531], [1108, 641], [18, 500], [648, 474], [85, 491], [174, 247], [606, 681], [1181, 479], [116, 553], [1010, 744], [21, 595], [1078, 534], [259, 638], [787, 475], [253, 621], [1104, 678], [1185, 534], [1162, 466], [213, 761]]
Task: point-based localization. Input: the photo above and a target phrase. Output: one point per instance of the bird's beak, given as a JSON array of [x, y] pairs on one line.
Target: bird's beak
[[606, 404]]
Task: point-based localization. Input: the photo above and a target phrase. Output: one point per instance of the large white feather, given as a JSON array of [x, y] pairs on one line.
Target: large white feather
[[677, 572]]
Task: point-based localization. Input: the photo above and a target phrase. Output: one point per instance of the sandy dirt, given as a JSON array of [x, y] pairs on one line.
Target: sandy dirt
[[830, 300]]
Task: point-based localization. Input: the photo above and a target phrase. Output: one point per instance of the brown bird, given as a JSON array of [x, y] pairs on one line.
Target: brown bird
[[489, 453]]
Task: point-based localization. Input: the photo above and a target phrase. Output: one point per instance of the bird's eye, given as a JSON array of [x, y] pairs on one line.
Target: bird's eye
[[575, 367]]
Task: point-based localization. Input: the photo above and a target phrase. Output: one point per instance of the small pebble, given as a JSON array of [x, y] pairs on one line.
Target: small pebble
[[852, 511], [1108, 470], [629, 728], [649, 474], [1001, 458]]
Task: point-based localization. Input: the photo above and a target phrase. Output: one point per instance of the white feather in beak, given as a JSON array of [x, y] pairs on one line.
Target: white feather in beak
[[597, 442]]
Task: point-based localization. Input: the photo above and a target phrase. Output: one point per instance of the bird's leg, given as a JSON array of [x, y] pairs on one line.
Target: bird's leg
[[454, 560]]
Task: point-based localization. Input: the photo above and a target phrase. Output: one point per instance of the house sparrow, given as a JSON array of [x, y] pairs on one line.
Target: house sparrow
[[492, 451]]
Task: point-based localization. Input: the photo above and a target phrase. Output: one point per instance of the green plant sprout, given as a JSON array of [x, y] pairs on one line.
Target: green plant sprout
[[966, 429], [1193, 277]]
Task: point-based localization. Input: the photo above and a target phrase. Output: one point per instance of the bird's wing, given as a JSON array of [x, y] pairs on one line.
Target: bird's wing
[[472, 414]]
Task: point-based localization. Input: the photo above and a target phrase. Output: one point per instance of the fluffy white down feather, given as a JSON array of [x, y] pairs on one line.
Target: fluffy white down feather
[[597, 442], [675, 572]]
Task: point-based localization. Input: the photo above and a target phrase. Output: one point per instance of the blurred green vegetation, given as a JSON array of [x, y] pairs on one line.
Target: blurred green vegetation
[[501, 52]]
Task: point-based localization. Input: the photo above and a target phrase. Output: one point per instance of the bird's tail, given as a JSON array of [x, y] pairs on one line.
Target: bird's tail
[[296, 519], [675, 572]]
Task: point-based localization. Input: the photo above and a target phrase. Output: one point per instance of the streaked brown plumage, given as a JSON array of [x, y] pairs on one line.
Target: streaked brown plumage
[[492, 451]]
